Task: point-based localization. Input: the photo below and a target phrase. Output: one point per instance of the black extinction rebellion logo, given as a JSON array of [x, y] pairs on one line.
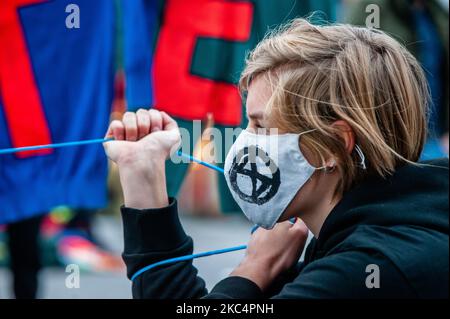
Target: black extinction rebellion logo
[[263, 186]]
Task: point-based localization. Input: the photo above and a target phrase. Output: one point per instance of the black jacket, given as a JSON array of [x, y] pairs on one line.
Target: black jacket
[[399, 224]]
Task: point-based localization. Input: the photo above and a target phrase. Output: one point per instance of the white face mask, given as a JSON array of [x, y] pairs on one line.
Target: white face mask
[[264, 173]]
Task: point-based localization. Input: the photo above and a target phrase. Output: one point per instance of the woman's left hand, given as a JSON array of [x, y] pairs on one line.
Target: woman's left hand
[[272, 252]]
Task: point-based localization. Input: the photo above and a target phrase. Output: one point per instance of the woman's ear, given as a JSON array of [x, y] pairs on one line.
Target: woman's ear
[[345, 131]]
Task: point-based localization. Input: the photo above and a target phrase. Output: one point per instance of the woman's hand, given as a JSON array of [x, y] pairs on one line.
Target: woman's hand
[[144, 136], [142, 143], [271, 252]]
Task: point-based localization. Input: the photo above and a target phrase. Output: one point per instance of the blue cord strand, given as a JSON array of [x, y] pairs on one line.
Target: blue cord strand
[[199, 255], [95, 141], [193, 159], [187, 257], [56, 145]]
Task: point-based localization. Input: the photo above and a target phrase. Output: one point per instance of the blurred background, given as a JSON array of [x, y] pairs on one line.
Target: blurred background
[[67, 67]]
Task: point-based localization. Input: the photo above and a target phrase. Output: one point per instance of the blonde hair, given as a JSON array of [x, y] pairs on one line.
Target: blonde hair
[[321, 74]]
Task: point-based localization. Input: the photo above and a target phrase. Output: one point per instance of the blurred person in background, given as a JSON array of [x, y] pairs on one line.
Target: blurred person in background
[[423, 27], [24, 256]]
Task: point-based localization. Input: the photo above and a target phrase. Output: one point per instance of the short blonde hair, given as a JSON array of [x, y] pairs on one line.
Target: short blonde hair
[[321, 74]]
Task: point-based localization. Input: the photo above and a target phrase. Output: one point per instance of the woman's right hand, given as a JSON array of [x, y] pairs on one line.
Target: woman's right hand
[[142, 137], [142, 143]]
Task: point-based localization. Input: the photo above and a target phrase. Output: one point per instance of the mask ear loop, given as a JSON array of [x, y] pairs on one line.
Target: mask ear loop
[[328, 169], [357, 149], [361, 155]]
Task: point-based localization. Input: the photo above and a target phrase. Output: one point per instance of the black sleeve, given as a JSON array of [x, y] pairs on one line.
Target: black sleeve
[[242, 288], [344, 275], [152, 235]]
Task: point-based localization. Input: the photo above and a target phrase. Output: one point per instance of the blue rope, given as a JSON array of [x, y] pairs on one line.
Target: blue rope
[[194, 256], [193, 159], [56, 145], [187, 257], [96, 141]]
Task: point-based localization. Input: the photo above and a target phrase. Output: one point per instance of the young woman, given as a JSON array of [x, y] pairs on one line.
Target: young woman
[[350, 106]]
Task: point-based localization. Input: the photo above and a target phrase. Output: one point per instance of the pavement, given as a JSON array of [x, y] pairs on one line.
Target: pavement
[[208, 234]]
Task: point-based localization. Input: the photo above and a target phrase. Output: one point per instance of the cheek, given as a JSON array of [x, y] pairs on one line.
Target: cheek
[[305, 198]]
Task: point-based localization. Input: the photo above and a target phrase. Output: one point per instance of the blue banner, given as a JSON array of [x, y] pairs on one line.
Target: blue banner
[[56, 85]]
